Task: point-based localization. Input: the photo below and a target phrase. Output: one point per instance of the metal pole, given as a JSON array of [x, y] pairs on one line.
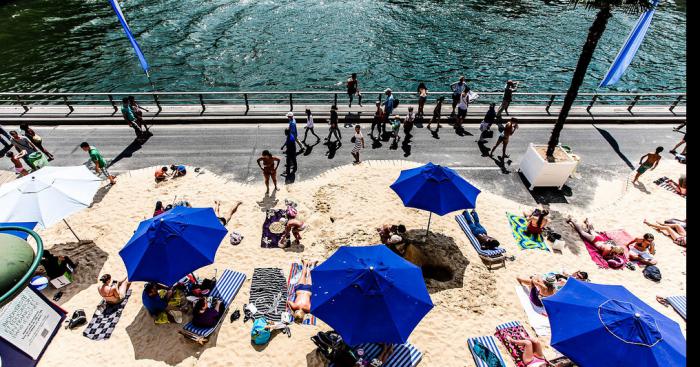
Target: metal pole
[[634, 102], [588, 109], [291, 103], [201, 101], [114, 105], [65, 99], [247, 107], [71, 230], [428, 230], [549, 104], [676, 102]]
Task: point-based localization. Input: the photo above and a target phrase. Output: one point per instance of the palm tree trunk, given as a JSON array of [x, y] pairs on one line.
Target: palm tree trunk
[[594, 34]]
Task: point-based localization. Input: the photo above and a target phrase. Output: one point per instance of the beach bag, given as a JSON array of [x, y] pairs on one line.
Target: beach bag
[[615, 262], [235, 238], [352, 140], [258, 334], [653, 273], [77, 319], [396, 102]]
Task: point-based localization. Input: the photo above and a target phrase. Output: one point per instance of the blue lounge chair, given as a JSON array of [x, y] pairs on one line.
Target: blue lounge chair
[[490, 343], [488, 256], [679, 304], [226, 289]]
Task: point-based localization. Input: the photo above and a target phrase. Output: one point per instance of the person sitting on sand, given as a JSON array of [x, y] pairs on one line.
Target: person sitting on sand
[[607, 249], [293, 225], [536, 221], [154, 300], [673, 230], [203, 315], [390, 234], [225, 219], [642, 249], [485, 241], [160, 209], [161, 174], [56, 266], [178, 170], [113, 294], [302, 303], [539, 286], [532, 351]]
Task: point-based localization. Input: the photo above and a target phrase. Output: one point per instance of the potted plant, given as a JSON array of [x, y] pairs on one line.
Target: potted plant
[[553, 166]]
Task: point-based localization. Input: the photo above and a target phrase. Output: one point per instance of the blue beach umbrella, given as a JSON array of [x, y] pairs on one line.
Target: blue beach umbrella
[[369, 295], [435, 188], [598, 325], [173, 244]]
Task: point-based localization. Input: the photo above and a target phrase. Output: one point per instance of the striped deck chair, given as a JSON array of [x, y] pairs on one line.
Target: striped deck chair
[[404, 355], [679, 304], [513, 329], [490, 343], [488, 256], [226, 288]]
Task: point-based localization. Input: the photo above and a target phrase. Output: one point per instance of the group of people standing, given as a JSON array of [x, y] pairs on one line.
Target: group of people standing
[[26, 146]]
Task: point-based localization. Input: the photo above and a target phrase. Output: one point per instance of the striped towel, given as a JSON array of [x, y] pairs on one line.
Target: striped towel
[[102, 324], [268, 292], [679, 303], [292, 281], [490, 343], [665, 182], [475, 243], [226, 289], [404, 355], [518, 226]]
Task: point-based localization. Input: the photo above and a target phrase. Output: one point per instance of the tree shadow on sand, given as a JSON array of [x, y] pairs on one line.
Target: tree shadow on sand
[[438, 256], [89, 258], [571, 239], [163, 342]]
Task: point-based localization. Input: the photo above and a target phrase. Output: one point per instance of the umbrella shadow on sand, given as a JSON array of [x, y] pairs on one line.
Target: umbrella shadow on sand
[[163, 342], [439, 257], [90, 259]]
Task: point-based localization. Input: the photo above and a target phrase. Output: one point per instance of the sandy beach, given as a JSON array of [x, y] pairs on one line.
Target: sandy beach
[[342, 207]]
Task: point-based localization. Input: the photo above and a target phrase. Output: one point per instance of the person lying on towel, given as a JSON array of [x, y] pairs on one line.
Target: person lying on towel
[[485, 241], [302, 304], [612, 253]]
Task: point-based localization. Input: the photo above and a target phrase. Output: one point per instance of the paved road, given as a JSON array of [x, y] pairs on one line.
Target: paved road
[[231, 150]]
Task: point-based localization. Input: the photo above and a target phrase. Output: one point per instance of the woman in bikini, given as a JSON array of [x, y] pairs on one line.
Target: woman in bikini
[[673, 230], [606, 248], [302, 304], [113, 294], [225, 219], [536, 221], [532, 351]]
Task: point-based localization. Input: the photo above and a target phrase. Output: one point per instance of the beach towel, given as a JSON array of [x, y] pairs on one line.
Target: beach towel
[[480, 359], [514, 329], [665, 182], [272, 228], [103, 323], [518, 226], [620, 237], [292, 282], [404, 355], [615, 236], [268, 292], [537, 316], [679, 303]]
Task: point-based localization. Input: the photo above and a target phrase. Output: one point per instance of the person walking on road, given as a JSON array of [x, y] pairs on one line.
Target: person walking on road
[[457, 89], [334, 130], [389, 105], [504, 136], [408, 122], [462, 108], [648, 161], [437, 112], [5, 138], [486, 123], [130, 117], [359, 142], [290, 150], [268, 164], [99, 161], [422, 98], [36, 139], [136, 109], [377, 120], [511, 86], [309, 127], [354, 90], [293, 129], [23, 145]]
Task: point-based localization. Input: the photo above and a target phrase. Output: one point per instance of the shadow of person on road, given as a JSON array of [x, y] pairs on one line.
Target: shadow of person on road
[[434, 133], [130, 149], [406, 147], [332, 148], [268, 201], [641, 187], [501, 164], [616, 147], [290, 178], [376, 143], [483, 148]]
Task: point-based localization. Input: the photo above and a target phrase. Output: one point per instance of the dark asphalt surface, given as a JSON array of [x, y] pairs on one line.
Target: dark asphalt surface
[[231, 150]]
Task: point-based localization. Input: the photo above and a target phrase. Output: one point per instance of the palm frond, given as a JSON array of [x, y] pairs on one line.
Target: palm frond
[[627, 6]]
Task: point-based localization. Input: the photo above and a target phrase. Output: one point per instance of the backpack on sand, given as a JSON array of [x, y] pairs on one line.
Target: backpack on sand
[[652, 273], [258, 334], [77, 319]]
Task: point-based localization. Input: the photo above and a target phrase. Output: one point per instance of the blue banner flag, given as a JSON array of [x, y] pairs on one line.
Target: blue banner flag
[[629, 49], [130, 36]]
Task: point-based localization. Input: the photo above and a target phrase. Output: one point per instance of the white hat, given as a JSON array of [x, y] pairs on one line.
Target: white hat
[[290, 114], [387, 90]]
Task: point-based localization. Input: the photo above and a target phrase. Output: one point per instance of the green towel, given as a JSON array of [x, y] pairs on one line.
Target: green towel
[[518, 226]]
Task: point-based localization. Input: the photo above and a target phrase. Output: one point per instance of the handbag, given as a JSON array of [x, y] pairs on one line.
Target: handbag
[[352, 140]]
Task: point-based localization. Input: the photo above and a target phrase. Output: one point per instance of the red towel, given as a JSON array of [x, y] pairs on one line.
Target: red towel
[[619, 236]]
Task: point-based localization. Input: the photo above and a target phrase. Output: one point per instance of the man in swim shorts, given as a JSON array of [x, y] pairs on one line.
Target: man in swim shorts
[[642, 249], [268, 164], [302, 304], [648, 161]]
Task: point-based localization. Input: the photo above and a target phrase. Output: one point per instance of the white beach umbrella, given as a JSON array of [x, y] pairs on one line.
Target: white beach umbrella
[[48, 195]]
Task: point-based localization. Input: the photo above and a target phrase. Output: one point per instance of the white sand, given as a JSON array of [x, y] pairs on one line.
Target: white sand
[[342, 207]]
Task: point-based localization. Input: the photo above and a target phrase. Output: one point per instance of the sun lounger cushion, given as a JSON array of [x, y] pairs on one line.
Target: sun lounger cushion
[[404, 355], [679, 304], [475, 243], [512, 329], [490, 343], [226, 289]]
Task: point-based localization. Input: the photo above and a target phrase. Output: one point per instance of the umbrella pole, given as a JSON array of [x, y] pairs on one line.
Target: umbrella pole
[[428, 229], [71, 230]]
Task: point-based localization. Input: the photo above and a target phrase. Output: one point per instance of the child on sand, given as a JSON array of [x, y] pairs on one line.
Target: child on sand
[[648, 161], [161, 174], [19, 168], [642, 249]]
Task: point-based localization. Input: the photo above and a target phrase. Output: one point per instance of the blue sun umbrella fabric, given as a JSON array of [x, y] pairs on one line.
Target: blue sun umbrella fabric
[[435, 188], [171, 245], [369, 295], [598, 325]]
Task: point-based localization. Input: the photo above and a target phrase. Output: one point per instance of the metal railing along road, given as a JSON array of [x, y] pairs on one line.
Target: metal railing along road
[[292, 98]]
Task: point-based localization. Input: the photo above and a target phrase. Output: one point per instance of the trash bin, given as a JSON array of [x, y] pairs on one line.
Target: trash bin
[[37, 160]]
